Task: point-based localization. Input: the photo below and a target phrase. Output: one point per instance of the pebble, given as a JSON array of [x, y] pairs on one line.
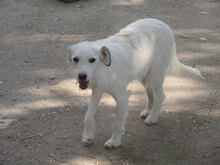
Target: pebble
[[78, 6]]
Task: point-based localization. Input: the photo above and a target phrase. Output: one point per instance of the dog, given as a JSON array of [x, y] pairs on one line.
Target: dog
[[145, 50]]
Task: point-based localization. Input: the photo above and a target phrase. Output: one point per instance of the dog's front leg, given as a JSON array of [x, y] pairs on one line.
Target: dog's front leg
[[89, 129], [121, 115]]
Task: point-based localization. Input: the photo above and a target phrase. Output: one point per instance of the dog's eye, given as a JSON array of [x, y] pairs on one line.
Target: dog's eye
[[91, 60], [75, 59]]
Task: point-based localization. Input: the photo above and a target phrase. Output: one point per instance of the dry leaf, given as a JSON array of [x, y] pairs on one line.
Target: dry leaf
[[203, 38], [203, 12]]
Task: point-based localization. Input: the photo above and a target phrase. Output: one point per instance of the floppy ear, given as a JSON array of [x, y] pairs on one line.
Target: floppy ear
[[105, 56]]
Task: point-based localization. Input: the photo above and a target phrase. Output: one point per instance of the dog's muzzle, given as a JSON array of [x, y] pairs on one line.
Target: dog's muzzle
[[83, 83]]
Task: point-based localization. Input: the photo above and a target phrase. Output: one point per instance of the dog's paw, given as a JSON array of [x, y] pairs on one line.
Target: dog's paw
[[151, 120], [110, 144], [87, 141], [144, 113]]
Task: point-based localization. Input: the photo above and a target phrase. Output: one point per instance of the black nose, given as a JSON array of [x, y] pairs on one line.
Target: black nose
[[82, 77]]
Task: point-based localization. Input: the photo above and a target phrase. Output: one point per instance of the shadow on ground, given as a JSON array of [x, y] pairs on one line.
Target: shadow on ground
[[53, 136]]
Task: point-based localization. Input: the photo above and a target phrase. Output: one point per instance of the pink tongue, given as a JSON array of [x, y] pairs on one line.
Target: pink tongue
[[84, 85]]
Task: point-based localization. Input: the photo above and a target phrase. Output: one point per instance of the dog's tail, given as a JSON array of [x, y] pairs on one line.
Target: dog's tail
[[178, 69]]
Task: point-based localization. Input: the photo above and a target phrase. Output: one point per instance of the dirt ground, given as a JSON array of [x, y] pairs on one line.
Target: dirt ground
[[42, 108]]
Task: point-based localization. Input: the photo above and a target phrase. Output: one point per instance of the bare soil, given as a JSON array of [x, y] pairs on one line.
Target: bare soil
[[42, 108]]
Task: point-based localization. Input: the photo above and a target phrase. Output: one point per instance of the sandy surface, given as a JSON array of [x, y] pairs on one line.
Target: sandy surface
[[42, 109]]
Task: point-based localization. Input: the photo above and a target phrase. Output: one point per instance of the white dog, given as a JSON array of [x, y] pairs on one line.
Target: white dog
[[144, 50]]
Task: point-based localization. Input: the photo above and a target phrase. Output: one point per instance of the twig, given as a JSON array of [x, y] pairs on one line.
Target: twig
[[185, 36], [39, 134]]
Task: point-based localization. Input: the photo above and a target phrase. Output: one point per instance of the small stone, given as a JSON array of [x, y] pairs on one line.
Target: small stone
[[27, 61], [78, 6], [195, 156]]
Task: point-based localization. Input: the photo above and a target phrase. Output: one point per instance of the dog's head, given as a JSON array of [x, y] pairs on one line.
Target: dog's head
[[85, 58]]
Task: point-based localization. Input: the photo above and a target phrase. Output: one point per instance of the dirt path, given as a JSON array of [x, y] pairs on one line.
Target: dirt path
[[42, 109]]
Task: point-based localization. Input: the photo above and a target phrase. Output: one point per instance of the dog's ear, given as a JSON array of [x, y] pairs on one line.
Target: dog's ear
[[105, 56]]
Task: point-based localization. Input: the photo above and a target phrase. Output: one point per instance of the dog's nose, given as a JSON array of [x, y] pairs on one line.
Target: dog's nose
[[82, 77]]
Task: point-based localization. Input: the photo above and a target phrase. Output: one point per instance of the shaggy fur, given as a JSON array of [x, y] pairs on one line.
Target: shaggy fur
[[144, 50]]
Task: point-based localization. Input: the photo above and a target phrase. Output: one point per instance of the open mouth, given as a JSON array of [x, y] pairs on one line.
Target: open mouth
[[83, 84]]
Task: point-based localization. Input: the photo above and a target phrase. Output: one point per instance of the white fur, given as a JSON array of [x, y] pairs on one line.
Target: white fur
[[144, 50]]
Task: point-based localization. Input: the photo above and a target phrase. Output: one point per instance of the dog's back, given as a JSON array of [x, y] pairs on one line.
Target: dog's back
[[140, 47], [144, 46]]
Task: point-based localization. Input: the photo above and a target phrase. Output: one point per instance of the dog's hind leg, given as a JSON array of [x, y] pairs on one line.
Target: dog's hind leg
[[121, 98], [88, 133], [157, 85], [150, 94]]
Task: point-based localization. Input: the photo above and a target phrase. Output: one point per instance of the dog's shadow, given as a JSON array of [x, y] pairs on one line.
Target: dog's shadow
[[53, 136]]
